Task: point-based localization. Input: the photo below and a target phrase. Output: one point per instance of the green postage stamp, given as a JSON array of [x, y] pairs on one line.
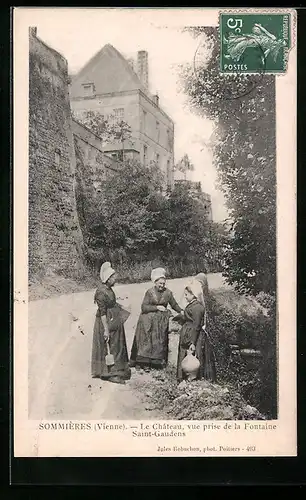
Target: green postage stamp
[[255, 43]]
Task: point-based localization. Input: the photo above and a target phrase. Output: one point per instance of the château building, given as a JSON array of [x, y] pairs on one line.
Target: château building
[[119, 89]]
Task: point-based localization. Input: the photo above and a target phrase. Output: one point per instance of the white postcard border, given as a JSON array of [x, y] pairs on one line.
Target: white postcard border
[[29, 441]]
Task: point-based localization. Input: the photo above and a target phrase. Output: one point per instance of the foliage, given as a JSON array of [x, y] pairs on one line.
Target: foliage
[[109, 131], [133, 222], [266, 300], [191, 234], [128, 210], [242, 108], [236, 323], [247, 325]]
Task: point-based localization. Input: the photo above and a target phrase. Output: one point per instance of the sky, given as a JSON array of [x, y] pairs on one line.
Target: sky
[[79, 37]]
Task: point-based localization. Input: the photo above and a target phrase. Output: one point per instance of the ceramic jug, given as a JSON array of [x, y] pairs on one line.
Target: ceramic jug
[[190, 365]]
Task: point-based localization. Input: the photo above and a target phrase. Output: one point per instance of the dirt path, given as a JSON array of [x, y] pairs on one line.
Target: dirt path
[[60, 385]]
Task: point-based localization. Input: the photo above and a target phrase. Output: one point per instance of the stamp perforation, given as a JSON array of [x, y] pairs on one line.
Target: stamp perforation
[[235, 57]]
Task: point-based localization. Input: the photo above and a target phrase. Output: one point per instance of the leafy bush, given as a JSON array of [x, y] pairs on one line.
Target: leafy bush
[[266, 300], [245, 323], [133, 224], [237, 322]]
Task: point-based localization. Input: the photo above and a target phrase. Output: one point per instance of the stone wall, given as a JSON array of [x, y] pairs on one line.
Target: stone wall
[[55, 238], [92, 168]]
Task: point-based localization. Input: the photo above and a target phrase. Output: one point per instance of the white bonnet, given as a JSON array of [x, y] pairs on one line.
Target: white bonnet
[[196, 289], [106, 271], [157, 273]]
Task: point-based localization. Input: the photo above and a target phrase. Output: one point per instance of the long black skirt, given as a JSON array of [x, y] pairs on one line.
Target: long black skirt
[[118, 348], [150, 345]]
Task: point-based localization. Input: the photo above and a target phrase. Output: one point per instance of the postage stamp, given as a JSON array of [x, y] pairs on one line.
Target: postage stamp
[[252, 43]]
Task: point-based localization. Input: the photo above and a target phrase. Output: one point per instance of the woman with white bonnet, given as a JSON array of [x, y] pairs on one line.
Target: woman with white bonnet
[[202, 278], [193, 335], [150, 346], [109, 334]]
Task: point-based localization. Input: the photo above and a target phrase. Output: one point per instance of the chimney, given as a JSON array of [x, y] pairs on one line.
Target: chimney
[[33, 30], [143, 68]]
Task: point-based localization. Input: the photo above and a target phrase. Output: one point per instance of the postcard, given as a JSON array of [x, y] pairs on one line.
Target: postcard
[[154, 232]]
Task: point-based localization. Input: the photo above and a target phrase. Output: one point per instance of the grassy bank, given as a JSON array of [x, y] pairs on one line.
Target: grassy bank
[[133, 272]]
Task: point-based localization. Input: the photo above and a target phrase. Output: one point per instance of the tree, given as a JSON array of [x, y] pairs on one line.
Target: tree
[[122, 133], [243, 110], [110, 132], [184, 165], [134, 219], [129, 211], [192, 239]]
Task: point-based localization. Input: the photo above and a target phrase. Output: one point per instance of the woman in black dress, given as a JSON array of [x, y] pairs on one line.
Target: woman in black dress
[[150, 346], [109, 332], [193, 335]]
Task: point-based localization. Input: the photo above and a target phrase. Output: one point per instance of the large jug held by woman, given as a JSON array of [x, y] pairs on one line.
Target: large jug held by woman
[[190, 365]]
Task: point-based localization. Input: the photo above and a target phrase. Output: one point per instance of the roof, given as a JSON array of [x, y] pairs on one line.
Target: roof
[[109, 71]]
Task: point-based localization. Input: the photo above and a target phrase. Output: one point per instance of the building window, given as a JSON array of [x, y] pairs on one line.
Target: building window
[[169, 140], [144, 120], [57, 157], [88, 89], [157, 157], [145, 154], [118, 114], [157, 131]]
